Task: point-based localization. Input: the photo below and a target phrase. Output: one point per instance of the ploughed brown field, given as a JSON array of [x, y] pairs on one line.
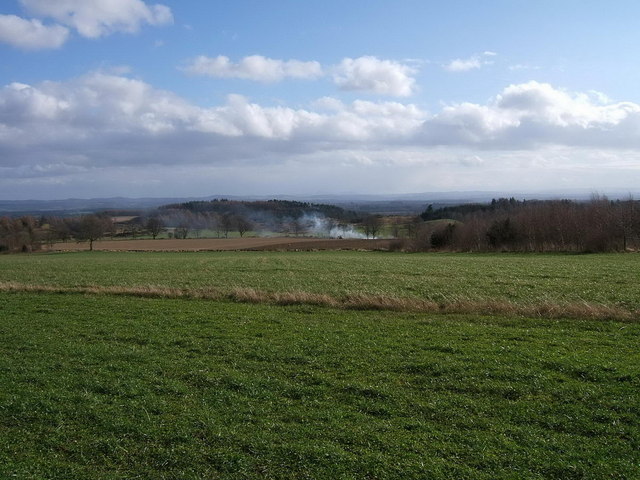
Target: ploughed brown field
[[213, 244]]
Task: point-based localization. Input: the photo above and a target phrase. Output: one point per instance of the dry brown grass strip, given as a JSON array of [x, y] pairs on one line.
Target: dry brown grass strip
[[543, 309], [388, 302], [251, 295]]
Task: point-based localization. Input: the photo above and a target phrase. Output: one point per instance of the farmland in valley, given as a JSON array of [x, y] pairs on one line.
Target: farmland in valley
[[329, 364], [223, 244]]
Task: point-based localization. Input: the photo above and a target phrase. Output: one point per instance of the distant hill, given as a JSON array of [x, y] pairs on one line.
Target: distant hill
[[79, 206], [276, 208], [389, 204]]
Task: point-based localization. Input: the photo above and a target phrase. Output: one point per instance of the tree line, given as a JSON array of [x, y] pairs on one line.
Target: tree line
[[279, 209], [280, 216], [27, 233], [598, 225]]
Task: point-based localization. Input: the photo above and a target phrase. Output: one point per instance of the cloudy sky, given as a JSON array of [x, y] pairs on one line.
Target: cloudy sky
[[191, 98]]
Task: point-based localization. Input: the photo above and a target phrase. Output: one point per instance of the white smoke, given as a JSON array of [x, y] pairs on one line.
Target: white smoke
[[319, 226]]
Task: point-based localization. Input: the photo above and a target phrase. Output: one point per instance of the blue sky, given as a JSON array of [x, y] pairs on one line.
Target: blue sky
[[192, 98]]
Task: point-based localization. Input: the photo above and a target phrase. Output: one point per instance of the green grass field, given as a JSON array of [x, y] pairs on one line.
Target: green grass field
[[610, 279], [103, 386]]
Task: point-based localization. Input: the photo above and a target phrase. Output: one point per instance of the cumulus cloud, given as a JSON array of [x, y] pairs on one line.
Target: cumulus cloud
[[534, 113], [96, 18], [99, 103], [90, 18], [364, 74], [31, 34], [99, 112], [107, 122], [463, 65], [253, 67], [472, 63], [370, 74]]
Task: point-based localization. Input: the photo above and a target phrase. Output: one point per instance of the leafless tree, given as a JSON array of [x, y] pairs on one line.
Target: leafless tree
[[155, 225], [91, 228], [372, 225], [297, 227], [243, 225], [19, 234], [182, 230], [226, 221], [396, 227], [330, 224]]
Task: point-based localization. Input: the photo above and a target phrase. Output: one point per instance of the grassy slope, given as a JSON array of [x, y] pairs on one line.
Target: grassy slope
[[120, 387], [608, 279]]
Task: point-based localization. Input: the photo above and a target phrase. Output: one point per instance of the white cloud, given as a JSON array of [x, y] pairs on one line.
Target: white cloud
[[372, 75], [254, 67], [463, 65], [521, 116], [471, 161], [91, 18], [31, 34], [365, 74], [96, 18], [96, 107], [20, 102], [472, 63], [329, 103], [523, 66], [107, 122], [533, 113]]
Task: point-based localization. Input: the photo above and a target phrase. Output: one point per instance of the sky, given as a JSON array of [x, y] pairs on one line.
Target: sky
[[103, 98]]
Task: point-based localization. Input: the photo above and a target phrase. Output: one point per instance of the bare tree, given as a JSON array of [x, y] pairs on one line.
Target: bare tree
[[330, 224], [61, 229], [372, 225], [182, 230], [198, 223], [297, 227], [215, 223], [413, 226], [627, 220], [19, 234], [395, 227], [132, 227], [91, 228], [243, 225], [226, 221], [155, 225]]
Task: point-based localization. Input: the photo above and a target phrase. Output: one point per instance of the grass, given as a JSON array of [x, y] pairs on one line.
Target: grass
[[120, 387], [241, 365], [607, 279], [581, 310]]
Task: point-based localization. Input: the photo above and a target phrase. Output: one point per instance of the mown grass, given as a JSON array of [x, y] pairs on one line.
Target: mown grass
[[111, 387], [607, 279]]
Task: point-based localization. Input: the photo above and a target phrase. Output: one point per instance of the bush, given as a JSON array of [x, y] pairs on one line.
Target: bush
[[443, 237]]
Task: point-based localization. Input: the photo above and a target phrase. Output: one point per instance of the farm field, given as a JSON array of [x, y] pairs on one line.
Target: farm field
[[221, 244], [199, 365], [609, 280]]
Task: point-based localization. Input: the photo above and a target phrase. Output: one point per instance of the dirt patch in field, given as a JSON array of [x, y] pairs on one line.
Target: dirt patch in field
[[222, 244]]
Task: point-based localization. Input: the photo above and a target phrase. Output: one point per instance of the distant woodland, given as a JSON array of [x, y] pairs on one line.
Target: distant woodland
[[280, 209], [598, 225]]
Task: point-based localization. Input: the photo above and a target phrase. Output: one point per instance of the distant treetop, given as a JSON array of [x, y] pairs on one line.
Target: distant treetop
[[277, 208]]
